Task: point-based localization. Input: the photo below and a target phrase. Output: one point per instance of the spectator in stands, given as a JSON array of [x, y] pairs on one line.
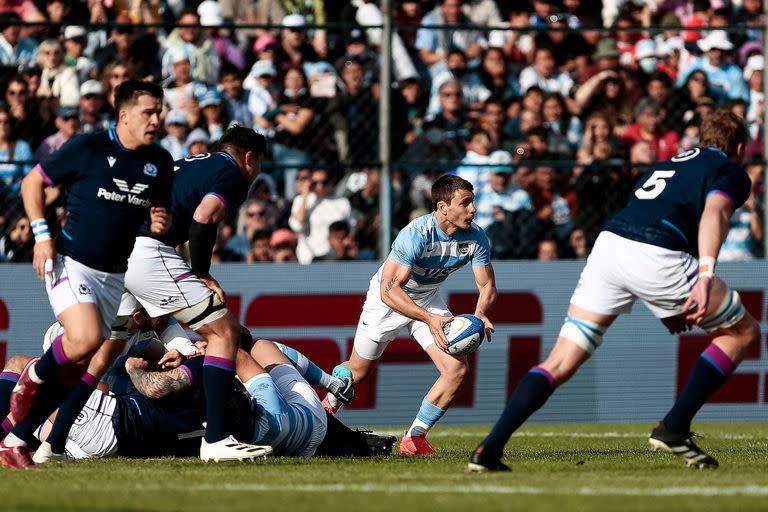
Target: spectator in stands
[[211, 19], [557, 118], [473, 91], [15, 51], [294, 50], [123, 47], [499, 195], [181, 89], [12, 150], [314, 209], [753, 74], [472, 166], [606, 57], [282, 245], [17, 245], [253, 12], [578, 244], [357, 106], [214, 117], [547, 250], [550, 206], [681, 104], [343, 246], [58, 80], [25, 9], [658, 87], [198, 142], [254, 216], [416, 106], [598, 133], [648, 127], [544, 74], [198, 47], [495, 76], [260, 249], [235, 96], [68, 124], [435, 44], [605, 93], [567, 46], [114, 74], [176, 127], [725, 78], [492, 120], [365, 212], [747, 231], [27, 122], [74, 46], [93, 111], [262, 92], [356, 47], [670, 50]]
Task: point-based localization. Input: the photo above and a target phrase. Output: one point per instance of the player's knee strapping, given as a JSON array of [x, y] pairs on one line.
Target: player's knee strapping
[[587, 335], [202, 313], [120, 328], [730, 311]]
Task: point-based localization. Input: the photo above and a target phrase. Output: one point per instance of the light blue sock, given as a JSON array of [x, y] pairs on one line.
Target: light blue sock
[[309, 370], [428, 415]]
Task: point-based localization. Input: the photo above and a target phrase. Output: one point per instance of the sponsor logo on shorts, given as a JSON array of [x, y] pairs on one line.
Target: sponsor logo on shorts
[[84, 290], [169, 300]]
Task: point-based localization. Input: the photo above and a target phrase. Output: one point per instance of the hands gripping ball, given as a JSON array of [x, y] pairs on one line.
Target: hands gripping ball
[[465, 333]]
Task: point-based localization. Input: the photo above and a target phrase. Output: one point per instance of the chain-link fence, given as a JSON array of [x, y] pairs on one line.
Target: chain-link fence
[[550, 115]]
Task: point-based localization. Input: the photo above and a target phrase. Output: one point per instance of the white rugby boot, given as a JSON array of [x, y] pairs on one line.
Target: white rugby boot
[[229, 449]]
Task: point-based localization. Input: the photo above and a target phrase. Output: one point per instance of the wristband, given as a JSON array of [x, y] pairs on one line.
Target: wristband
[[707, 266], [40, 230]]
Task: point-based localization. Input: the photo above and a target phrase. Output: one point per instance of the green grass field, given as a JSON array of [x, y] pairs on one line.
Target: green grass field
[[555, 467]]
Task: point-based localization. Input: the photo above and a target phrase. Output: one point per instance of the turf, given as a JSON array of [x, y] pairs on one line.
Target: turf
[[555, 467]]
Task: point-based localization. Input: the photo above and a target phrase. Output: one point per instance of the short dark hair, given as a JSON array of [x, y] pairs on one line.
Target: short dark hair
[[238, 140], [446, 186], [340, 226], [228, 69], [128, 92], [261, 234]]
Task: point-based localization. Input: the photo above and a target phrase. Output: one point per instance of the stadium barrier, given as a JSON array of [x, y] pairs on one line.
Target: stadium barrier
[[635, 376]]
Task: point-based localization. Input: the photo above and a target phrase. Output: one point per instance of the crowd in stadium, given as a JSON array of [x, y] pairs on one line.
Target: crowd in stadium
[[509, 100]]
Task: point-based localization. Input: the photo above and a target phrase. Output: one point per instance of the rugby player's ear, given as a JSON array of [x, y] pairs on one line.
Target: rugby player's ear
[[740, 152]]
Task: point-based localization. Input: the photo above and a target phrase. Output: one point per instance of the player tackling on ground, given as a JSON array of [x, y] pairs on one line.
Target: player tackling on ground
[[115, 181], [405, 293], [680, 211]]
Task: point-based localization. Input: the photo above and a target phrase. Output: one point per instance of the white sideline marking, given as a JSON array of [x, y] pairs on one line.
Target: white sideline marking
[[395, 488], [575, 435]]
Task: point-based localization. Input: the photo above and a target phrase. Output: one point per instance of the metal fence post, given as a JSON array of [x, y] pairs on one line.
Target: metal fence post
[[385, 153]]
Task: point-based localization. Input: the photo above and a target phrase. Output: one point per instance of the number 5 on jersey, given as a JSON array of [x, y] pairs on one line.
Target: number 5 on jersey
[[654, 186]]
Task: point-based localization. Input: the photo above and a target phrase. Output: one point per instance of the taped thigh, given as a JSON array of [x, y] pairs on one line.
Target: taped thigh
[[202, 313], [587, 335], [730, 311]]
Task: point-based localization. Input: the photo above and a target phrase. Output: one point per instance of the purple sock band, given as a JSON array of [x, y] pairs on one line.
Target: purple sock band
[[10, 376], [89, 379], [718, 359], [58, 351], [542, 371], [7, 426], [219, 362]]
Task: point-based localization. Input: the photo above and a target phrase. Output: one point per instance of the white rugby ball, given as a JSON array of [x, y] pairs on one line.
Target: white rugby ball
[[53, 331], [465, 333]]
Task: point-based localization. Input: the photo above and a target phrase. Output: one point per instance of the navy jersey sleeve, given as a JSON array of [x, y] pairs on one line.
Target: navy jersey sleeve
[[161, 195], [64, 166], [228, 191], [732, 182]]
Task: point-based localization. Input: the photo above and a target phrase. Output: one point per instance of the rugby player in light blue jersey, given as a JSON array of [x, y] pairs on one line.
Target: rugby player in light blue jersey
[[405, 293]]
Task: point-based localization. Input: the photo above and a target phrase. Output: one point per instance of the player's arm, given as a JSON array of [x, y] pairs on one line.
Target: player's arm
[[486, 285], [713, 228], [157, 384], [33, 194], [202, 238], [393, 277]]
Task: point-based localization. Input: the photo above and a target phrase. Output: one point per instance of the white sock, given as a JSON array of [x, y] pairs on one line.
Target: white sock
[[33, 375], [418, 428], [335, 403], [12, 441], [331, 383]]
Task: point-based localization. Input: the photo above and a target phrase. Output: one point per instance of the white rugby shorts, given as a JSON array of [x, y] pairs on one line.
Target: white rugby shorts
[[92, 435], [160, 280], [379, 324], [74, 283], [620, 270]]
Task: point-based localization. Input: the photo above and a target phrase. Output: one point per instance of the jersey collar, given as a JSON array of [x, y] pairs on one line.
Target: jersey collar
[[114, 138], [718, 151], [228, 157]]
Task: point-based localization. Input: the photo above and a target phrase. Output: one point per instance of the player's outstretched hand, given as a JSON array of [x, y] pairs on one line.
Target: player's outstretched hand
[[159, 220], [489, 328], [43, 252], [436, 324], [215, 287], [696, 305], [171, 359], [135, 362]]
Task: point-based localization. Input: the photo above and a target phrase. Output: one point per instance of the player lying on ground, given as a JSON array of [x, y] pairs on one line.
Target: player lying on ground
[[680, 211], [404, 293]]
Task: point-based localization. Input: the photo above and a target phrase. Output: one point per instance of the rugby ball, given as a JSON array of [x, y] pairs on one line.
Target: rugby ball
[[53, 331], [465, 333]]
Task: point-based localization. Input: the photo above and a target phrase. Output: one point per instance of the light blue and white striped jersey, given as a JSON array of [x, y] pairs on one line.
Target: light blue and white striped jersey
[[433, 255]]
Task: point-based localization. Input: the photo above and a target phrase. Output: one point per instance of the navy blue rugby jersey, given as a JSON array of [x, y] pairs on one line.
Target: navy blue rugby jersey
[[109, 192], [196, 177], [666, 206]]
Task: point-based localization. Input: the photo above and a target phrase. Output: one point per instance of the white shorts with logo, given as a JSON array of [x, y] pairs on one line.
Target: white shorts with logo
[[620, 270], [379, 324], [74, 283], [160, 280], [92, 435]]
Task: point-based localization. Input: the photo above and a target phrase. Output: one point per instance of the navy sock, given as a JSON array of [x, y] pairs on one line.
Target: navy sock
[[8, 380], [709, 373], [531, 393], [52, 360], [218, 373], [50, 395], [69, 410]]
